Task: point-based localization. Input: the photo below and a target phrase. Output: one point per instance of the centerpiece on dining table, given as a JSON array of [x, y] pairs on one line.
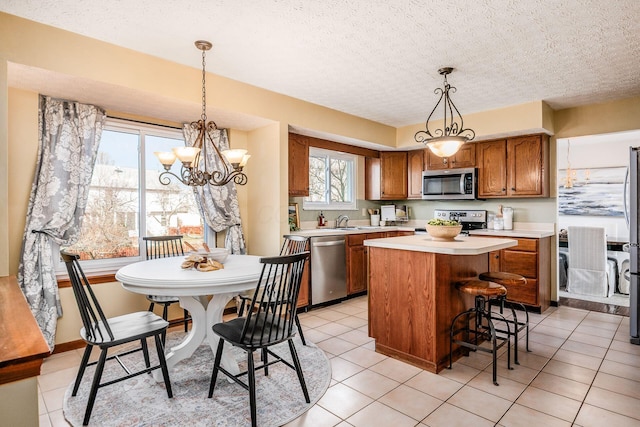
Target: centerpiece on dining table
[[443, 229], [205, 259]]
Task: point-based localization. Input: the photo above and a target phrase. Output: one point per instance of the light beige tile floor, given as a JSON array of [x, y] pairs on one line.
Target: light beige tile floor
[[582, 371]]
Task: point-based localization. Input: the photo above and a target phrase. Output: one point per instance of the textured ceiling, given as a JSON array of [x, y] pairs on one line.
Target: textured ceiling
[[379, 59]]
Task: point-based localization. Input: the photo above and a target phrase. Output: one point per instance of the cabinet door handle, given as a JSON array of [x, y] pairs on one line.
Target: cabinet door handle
[[504, 189], [513, 188], [497, 256]]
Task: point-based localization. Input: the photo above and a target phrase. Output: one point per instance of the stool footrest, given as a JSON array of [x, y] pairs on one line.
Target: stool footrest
[[486, 332]]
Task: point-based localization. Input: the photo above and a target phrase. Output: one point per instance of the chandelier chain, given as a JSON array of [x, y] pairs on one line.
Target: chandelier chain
[[204, 88]]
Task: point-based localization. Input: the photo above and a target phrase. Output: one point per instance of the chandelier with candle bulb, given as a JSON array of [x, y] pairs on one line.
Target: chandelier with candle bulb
[[196, 169]]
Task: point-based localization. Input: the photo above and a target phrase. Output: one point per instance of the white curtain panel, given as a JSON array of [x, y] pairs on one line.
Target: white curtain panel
[[218, 204], [68, 143]]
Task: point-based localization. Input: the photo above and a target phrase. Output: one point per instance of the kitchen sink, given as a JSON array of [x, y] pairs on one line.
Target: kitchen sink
[[351, 228], [358, 227]]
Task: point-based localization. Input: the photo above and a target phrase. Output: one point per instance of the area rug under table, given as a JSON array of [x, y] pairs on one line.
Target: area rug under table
[[141, 401]]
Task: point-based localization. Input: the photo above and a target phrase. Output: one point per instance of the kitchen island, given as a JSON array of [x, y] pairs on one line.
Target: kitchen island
[[412, 294]]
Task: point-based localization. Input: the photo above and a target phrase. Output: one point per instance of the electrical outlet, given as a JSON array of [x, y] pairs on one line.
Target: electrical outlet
[[364, 212]]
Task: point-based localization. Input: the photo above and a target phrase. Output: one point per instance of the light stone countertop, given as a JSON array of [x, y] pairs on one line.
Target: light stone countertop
[[538, 232], [532, 234], [461, 245], [329, 231]]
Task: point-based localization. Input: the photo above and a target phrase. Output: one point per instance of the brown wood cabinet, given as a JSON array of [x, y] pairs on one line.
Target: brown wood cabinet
[[531, 258], [357, 258], [464, 158], [397, 233], [412, 301], [514, 167], [386, 177], [415, 166], [357, 261], [298, 165], [303, 296]]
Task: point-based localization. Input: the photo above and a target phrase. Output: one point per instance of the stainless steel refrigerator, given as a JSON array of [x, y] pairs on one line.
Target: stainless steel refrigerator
[[634, 212]]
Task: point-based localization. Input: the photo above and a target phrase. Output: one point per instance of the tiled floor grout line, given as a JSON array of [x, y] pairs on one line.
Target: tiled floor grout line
[[597, 372], [529, 384], [583, 337]]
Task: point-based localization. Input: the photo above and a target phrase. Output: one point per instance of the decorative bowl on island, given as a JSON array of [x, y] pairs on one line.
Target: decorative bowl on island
[[443, 230]]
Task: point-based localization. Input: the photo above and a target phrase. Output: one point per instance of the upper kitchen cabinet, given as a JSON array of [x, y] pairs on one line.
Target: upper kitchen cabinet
[[416, 160], [386, 177], [298, 165], [464, 158], [515, 167]]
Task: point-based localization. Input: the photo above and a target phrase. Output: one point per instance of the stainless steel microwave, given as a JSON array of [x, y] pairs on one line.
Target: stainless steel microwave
[[449, 184]]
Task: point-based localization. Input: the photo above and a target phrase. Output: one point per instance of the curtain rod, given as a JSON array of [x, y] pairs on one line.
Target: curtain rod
[[143, 122]]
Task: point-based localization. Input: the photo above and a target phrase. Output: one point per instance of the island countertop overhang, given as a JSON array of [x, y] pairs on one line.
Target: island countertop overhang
[[461, 245]]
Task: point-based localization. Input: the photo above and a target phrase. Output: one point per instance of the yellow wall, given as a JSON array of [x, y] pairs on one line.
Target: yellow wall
[[268, 194], [19, 403], [23, 108], [594, 119], [4, 169]]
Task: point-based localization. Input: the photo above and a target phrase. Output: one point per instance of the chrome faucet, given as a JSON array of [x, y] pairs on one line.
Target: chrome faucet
[[340, 219]]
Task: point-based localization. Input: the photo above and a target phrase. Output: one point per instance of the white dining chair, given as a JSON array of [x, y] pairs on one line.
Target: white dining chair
[[589, 269]]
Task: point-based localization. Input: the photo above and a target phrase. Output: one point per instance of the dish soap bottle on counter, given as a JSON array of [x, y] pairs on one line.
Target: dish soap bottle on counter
[[321, 220]]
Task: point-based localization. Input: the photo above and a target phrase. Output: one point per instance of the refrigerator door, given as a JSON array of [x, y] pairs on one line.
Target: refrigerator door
[[634, 297]]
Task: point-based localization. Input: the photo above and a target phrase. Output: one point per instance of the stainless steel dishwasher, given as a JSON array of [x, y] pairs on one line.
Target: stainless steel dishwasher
[[328, 269]]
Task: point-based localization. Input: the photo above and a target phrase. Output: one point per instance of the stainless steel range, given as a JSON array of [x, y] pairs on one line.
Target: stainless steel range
[[470, 219]]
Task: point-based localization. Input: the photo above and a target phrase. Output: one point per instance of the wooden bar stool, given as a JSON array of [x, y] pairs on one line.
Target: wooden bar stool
[[483, 327], [511, 280]]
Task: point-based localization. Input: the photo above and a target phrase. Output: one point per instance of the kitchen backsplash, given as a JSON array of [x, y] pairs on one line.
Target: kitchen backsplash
[[524, 210]]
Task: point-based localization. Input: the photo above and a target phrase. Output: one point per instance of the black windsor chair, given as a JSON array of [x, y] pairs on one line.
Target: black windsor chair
[[270, 323], [107, 333]]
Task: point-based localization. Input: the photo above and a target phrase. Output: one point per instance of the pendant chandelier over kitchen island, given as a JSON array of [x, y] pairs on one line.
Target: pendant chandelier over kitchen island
[[446, 141], [196, 168]]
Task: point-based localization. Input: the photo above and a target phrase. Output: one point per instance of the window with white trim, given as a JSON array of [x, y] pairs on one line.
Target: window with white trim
[[127, 202], [332, 180]]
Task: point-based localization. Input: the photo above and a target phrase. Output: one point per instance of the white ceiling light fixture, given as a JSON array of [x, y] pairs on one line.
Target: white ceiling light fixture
[[445, 141], [195, 172]]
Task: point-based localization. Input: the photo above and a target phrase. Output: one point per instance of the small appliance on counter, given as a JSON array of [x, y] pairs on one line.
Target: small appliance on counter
[[387, 213], [402, 213], [393, 213], [470, 219]]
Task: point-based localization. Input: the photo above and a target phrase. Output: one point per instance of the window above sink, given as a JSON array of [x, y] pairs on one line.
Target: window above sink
[[332, 180]]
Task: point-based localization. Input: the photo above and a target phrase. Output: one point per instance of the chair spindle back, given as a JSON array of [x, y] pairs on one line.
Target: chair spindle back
[[274, 299], [93, 318], [163, 246], [294, 245]]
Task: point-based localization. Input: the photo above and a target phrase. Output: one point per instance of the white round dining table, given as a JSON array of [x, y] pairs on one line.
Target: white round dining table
[[165, 277]]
